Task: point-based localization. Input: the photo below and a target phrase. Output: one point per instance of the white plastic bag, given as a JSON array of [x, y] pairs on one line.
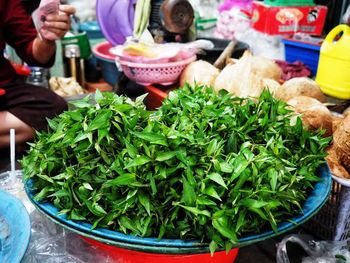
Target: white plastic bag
[[261, 44], [50, 243], [317, 251]]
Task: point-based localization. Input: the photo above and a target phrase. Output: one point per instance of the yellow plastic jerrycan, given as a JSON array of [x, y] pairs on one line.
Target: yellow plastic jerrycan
[[333, 72]]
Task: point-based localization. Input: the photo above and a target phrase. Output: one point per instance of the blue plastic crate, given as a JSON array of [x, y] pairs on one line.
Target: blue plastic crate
[[308, 53]]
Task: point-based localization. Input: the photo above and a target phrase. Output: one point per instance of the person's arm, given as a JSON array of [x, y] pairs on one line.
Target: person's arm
[[55, 27], [43, 50], [20, 33]]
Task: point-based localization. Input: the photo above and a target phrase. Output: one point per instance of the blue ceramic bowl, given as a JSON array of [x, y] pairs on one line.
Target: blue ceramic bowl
[[312, 205], [14, 228]]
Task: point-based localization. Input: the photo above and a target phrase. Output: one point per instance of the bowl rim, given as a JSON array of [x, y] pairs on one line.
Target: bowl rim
[[20, 227], [107, 57], [313, 203]]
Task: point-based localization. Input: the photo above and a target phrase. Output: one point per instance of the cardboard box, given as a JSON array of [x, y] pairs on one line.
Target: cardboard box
[[280, 20]]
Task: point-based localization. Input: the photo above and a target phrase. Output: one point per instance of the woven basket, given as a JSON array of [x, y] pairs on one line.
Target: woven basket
[[332, 222]]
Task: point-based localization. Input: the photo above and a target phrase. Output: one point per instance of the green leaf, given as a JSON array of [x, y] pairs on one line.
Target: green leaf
[[152, 183], [56, 137], [161, 231], [273, 175], [241, 221], [212, 192], [146, 225], [46, 191], [212, 147], [131, 149], [217, 178], [212, 247], [60, 193], [181, 155], [80, 104], [88, 186], [204, 201], [188, 195], [95, 224], [231, 145], [131, 194], [196, 211], [74, 215], [45, 178], [222, 225], [259, 212], [102, 121], [152, 137], [240, 164], [75, 115], [125, 179], [226, 167], [102, 133], [98, 96], [145, 202], [128, 224], [252, 203], [138, 161], [165, 156]]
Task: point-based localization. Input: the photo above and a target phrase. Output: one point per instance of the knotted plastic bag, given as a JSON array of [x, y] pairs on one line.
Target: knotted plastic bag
[[317, 251]]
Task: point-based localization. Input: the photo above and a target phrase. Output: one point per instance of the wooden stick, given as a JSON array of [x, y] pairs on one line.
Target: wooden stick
[[227, 53]]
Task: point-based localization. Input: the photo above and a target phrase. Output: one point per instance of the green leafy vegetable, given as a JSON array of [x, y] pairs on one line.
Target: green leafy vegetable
[[206, 166]]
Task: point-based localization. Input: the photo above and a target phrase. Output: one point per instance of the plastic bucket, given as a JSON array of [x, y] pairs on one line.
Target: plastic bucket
[[131, 256], [106, 60]]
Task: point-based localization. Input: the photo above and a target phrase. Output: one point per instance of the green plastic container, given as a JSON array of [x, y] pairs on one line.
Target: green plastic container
[[289, 3], [82, 41]]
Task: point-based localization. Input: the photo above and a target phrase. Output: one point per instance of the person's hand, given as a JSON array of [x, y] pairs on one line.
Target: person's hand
[[56, 26]]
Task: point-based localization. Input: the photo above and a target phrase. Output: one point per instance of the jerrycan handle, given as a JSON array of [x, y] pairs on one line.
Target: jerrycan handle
[[336, 31]]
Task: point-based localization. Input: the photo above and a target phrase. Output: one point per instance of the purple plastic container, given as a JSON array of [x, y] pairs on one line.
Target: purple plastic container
[[115, 25]]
